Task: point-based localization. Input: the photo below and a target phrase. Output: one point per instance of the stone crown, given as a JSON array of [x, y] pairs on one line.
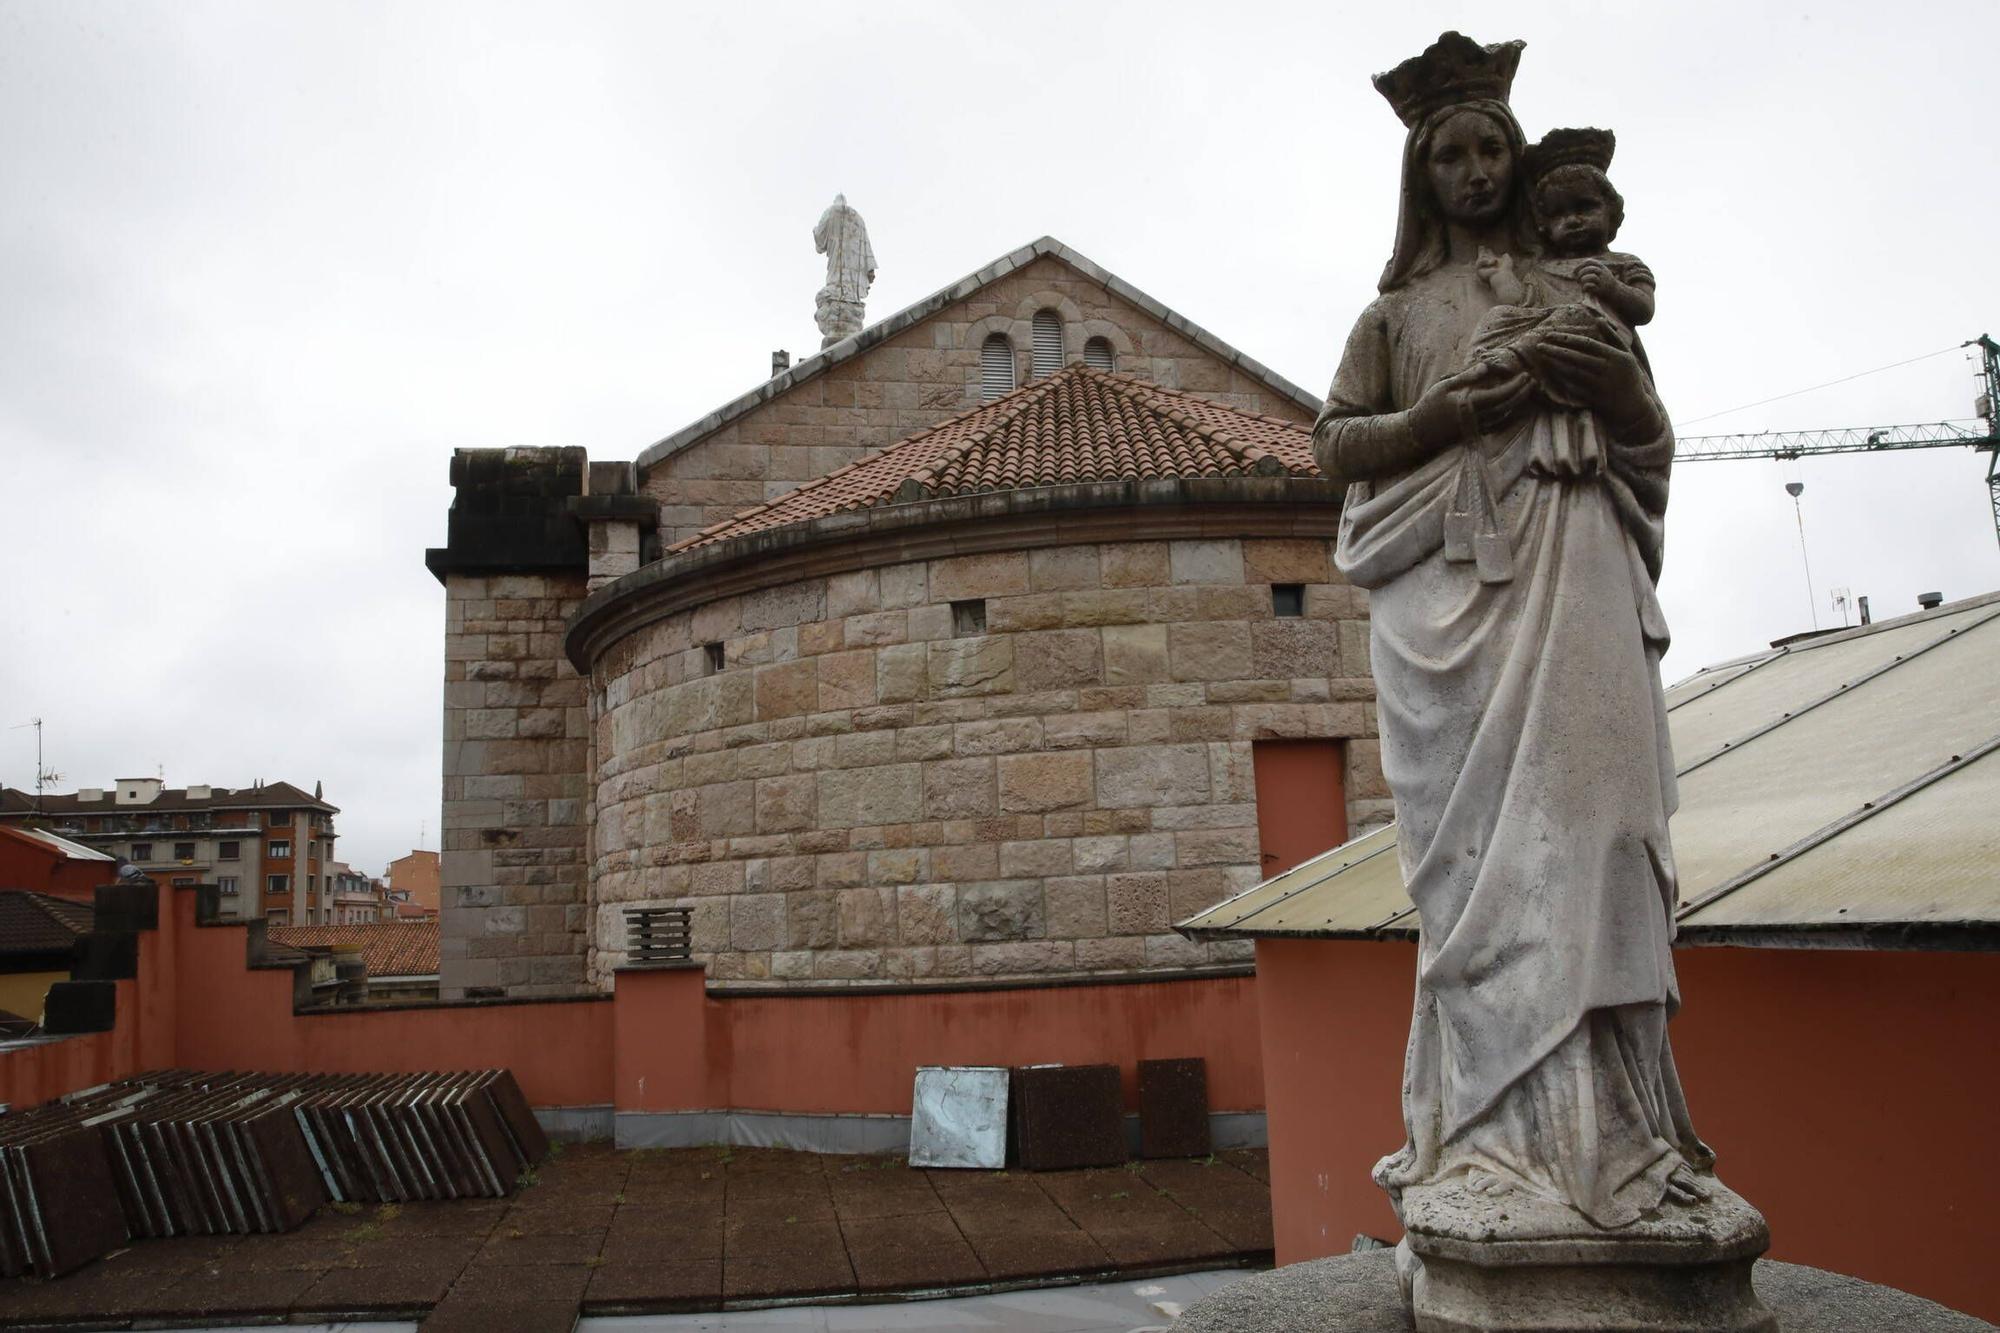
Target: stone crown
[[1453, 69], [1570, 148]]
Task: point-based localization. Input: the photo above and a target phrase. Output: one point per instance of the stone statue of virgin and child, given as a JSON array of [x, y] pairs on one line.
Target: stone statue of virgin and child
[[1506, 459]]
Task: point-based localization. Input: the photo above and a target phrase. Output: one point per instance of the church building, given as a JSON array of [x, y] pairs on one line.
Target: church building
[[982, 646]]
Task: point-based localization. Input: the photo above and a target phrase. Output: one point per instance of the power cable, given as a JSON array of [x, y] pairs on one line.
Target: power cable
[[1859, 374]]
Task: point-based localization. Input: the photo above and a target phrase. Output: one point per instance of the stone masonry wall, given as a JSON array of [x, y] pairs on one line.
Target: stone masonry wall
[[860, 792], [924, 375], [516, 788]]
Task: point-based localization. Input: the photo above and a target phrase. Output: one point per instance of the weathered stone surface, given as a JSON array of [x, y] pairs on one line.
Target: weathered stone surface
[[1210, 650], [1137, 904], [996, 575], [1150, 775], [1059, 659], [1286, 560], [847, 680], [982, 665], [1207, 561], [891, 794], [1043, 782], [926, 913], [867, 917], [1292, 648], [959, 788], [1135, 654], [757, 921], [786, 804], [1001, 910]]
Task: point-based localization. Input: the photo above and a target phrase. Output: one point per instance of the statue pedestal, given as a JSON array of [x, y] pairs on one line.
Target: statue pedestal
[[1357, 1293], [1512, 1263]]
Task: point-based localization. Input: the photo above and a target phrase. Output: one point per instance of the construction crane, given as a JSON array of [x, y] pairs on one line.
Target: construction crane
[[1984, 437]]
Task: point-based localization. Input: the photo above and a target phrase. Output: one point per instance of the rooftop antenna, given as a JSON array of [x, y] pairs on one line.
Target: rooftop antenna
[[1841, 598], [1795, 489], [44, 777]]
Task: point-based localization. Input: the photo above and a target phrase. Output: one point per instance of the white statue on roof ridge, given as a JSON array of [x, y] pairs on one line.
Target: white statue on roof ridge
[[842, 237]]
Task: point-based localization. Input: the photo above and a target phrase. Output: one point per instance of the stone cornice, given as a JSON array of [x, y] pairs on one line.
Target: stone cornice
[[1011, 520]]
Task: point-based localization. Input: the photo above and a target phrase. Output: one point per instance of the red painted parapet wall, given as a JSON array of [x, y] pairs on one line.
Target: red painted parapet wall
[[661, 1043], [681, 1049], [1852, 1095]]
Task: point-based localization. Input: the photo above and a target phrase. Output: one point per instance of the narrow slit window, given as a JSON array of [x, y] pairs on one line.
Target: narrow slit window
[[711, 656], [1048, 351], [1288, 599], [968, 617], [996, 367], [1097, 354]]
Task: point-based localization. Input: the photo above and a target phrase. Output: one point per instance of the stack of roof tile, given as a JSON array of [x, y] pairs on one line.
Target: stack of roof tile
[[176, 1153]]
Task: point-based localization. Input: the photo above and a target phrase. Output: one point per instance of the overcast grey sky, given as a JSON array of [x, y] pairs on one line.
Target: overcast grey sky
[[263, 266]]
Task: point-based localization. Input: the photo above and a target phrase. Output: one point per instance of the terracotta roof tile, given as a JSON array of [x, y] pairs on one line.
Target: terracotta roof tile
[[390, 948], [1078, 425], [38, 923]]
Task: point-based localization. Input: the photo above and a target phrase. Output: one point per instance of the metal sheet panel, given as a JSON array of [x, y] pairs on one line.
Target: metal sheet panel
[[1356, 887], [1808, 672], [1756, 801], [959, 1117], [1932, 857]]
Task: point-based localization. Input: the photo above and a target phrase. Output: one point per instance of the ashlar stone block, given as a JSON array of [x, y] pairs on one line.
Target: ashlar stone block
[[1135, 654], [971, 666], [1060, 659], [1152, 775], [1210, 650], [1207, 561], [959, 788], [1038, 783], [1001, 910], [854, 797]]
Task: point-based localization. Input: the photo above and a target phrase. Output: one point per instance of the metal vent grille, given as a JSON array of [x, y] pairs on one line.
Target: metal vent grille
[[1048, 356], [996, 367], [1097, 354]]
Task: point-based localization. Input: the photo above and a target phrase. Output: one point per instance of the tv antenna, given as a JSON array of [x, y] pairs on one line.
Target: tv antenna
[[44, 777]]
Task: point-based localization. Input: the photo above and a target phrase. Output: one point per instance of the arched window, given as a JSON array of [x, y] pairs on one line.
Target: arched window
[[1048, 357], [996, 367], [1097, 354]]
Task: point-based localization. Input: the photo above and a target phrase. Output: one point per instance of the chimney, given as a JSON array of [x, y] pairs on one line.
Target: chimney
[[1866, 619], [781, 361], [1930, 601]]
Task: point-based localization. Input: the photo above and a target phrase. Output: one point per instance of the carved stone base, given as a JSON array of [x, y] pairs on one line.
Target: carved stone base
[[1513, 1263]]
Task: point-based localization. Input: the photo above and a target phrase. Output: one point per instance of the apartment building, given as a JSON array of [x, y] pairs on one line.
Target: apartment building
[[269, 846]]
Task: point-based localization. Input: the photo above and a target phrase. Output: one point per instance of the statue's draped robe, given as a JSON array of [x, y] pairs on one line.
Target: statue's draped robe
[[842, 237], [1524, 737]]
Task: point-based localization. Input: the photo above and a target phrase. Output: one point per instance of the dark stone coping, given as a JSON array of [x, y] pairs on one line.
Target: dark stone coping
[[1881, 937], [1009, 520], [786, 991], [484, 1002], [910, 316]]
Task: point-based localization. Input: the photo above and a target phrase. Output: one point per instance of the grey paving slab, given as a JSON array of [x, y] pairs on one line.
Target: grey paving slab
[[1107, 1307]]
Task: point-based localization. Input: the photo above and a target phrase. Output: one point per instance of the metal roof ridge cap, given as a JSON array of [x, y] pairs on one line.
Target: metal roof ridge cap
[[1834, 828], [1846, 687]]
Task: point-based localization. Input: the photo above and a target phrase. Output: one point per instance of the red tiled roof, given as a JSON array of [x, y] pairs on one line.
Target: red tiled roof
[[39, 923], [389, 948], [1078, 425]]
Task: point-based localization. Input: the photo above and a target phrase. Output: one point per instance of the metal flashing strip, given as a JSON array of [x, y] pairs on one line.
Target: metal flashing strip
[[1833, 830], [1764, 661], [1731, 747], [1287, 896]]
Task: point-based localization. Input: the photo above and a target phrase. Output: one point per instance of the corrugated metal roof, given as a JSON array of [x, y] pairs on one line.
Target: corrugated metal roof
[[75, 851], [1846, 783]]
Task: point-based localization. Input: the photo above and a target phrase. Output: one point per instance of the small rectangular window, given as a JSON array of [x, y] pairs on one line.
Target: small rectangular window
[[276, 819], [227, 883], [1288, 599], [277, 883], [142, 851], [229, 851], [711, 656], [968, 617], [183, 851], [278, 918], [183, 881], [280, 851]]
